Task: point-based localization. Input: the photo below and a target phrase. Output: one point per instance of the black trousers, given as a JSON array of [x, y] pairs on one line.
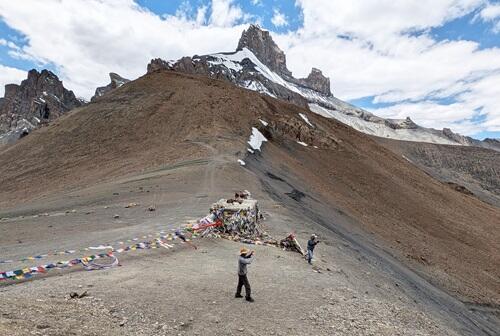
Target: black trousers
[[243, 281]]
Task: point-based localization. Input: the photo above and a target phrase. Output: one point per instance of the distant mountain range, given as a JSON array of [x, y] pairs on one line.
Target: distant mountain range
[[258, 64]]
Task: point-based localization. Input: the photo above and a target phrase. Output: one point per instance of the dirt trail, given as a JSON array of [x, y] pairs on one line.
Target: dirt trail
[[214, 162]]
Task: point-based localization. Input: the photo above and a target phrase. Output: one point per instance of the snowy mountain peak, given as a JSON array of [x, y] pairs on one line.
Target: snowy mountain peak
[[258, 64]]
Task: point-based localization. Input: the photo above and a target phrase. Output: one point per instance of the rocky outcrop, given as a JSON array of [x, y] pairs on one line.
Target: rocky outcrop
[[158, 64], [262, 45], [38, 100], [493, 143], [296, 130], [460, 188], [468, 141], [455, 137], [317, 82], [116, 82], [401, 123], [267, 51]]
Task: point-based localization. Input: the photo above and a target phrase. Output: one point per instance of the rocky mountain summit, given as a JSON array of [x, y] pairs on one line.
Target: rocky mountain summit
[[39, 99], [259, 64], [116, 82], [267, 51], [262, 45]]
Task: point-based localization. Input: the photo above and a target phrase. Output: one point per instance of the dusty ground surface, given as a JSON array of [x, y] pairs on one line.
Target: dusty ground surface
[[190, 292], [413, 255]]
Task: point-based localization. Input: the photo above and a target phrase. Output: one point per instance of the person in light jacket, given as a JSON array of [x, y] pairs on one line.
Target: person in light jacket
[[245, 258]]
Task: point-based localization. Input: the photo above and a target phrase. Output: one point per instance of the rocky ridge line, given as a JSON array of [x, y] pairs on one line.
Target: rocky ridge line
[[259, 64]]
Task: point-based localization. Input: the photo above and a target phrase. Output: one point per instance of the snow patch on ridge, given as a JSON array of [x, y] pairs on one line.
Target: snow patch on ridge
[[256, 139], [379, 129], [225, 62], [259, 66], [257, 86], [303, 116]]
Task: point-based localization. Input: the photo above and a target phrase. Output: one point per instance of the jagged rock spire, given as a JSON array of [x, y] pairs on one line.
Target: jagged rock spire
[[116, 82], [40, 98], [267, 51]]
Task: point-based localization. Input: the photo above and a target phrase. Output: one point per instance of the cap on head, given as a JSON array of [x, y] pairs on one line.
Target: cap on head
[[314, 237], [244, 250]]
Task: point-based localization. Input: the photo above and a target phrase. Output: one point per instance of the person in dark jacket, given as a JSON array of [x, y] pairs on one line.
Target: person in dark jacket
[[311, 244], [244, 259]]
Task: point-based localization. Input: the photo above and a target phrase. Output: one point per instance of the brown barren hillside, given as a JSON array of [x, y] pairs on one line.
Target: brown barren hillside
[[160, 118], [477, 169]]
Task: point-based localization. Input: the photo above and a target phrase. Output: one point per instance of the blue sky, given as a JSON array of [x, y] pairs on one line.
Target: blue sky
[[262, 10], [439, 67], [470, 28]]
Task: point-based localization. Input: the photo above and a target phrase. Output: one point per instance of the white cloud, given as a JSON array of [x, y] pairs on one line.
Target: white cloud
[[225, 13], [491, 13], [376, 20], [383, 49], [279, 19], [9, 44], [10, 75], [201, 14]]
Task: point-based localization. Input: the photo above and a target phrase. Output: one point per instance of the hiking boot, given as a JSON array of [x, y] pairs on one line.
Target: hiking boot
[[238, 296], [249, 299]]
